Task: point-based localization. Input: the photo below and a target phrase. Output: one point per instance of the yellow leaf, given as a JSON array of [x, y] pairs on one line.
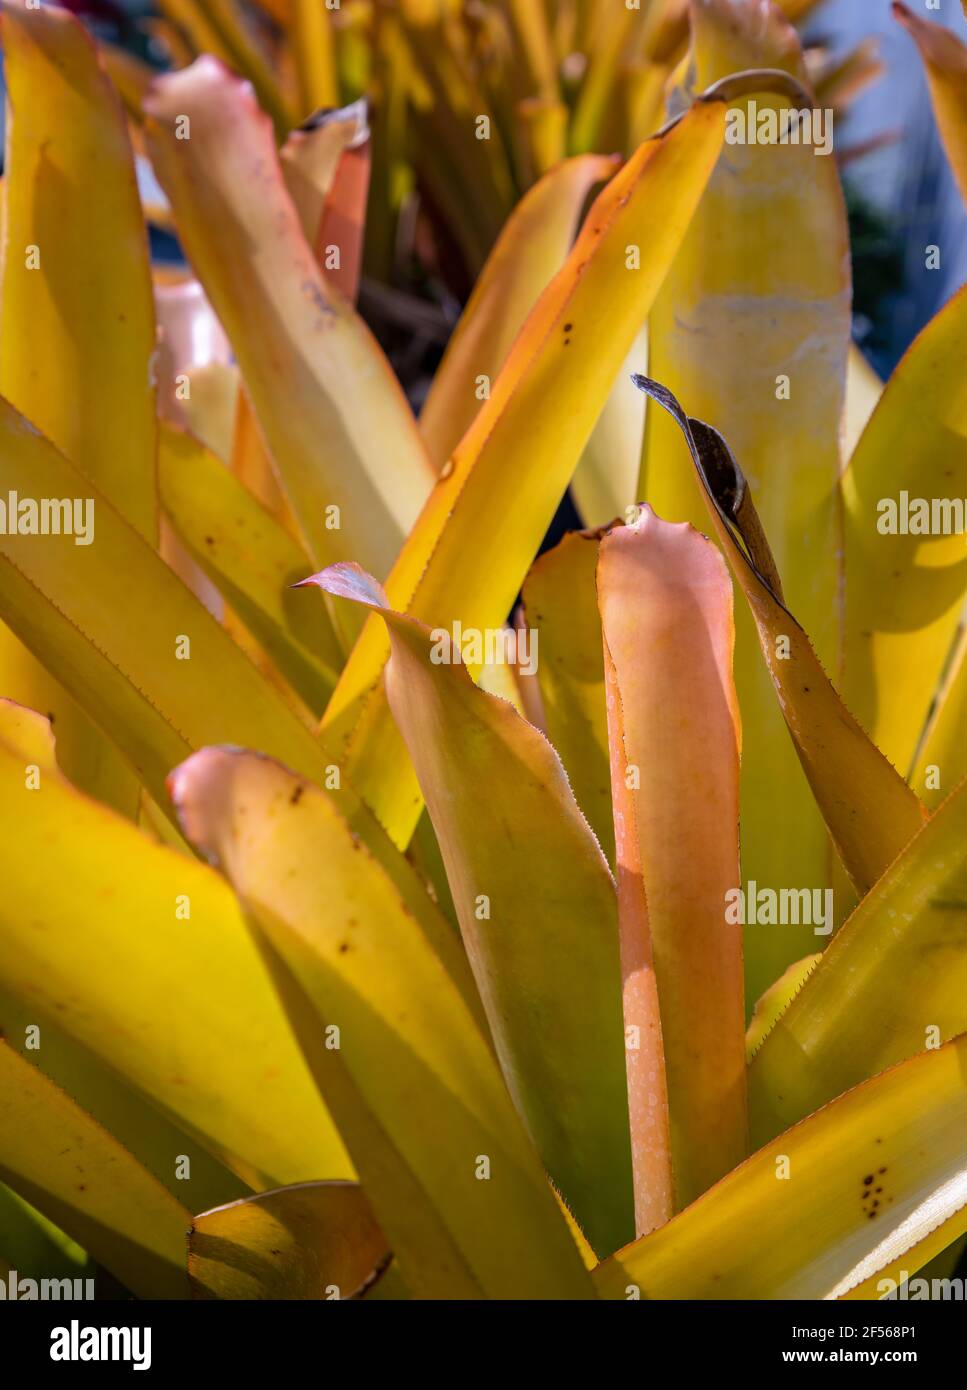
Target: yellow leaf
[[318, 1240], [863, 391], [326, 170], [605, 482], [869, 810], [942, 761], [905, 585], [313, 47], [61, 1160], [769, 1006], [82, 373], [251, 559], [561, 608], [77, 323], [533, 34], [331, 410], [944, 57], [666, 617], [892, 982], [226, 20], [871, 1182], [543, 135], [141, 955], [761, 289], [509, 471], [388, 1034], [529, 252], [140, 653], [178, 1159], [601, 79], [536, 906]]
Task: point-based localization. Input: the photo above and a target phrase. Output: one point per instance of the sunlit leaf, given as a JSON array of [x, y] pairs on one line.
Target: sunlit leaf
[[508, 473], [140, 653], [251, 559], [142, 956], [905, 568], [388, 1034], [871, 1183], [537, 910], [330, 408], [605, 482], [892, 982], [77, 322], [761, 288], [777, 997], [529, 252]]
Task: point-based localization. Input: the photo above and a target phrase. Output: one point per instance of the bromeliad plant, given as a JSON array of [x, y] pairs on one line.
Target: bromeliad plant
[[372, 973]]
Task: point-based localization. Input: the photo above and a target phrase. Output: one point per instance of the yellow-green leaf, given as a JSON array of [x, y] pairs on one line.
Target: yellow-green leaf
[[777, 997], [391, 1040], [529, 252], [251, 559], [536, 905], [77, 333], [905, 579], [942, 761], [78, 325], [317, 1241], [142, 955], [511, 468], [139, 652], [605, 482], [35, 1247], [892, 982], [61, 1160], [869, 1184], [160, 1143], [761, 289], [561, 608]]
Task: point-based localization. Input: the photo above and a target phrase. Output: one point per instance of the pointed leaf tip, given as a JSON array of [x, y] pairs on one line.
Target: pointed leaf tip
[[348, 580]]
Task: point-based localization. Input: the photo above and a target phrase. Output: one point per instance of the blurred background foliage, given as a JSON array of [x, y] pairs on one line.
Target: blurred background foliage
[[900, 192]]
